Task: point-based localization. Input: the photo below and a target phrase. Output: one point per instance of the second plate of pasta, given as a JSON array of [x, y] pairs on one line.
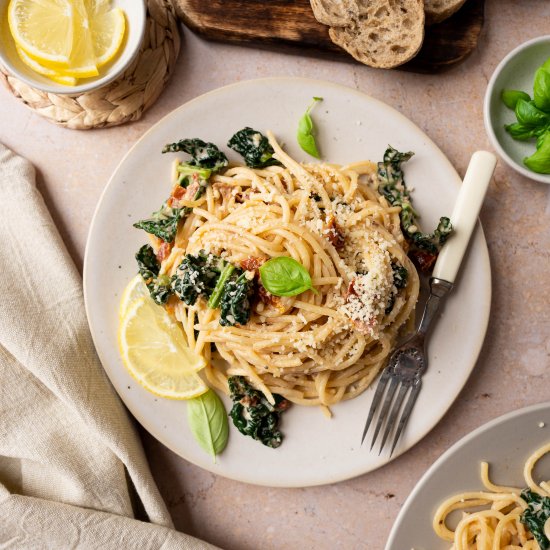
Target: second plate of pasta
[[321, 347], [490, 490]]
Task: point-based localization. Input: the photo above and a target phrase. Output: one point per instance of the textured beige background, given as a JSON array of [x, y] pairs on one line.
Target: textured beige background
[[513, 369]]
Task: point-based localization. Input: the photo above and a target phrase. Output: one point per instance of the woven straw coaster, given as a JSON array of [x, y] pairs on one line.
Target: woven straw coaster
[[124, 99]]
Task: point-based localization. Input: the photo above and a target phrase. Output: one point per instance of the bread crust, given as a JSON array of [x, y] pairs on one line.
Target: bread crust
[[378, 33], [439, 10]]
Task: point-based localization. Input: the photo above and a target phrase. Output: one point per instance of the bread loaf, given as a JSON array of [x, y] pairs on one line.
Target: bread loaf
[[438, 10], [379, 33]]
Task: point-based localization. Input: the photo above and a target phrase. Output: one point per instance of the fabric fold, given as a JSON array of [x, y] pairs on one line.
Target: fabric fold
[[66, 441]]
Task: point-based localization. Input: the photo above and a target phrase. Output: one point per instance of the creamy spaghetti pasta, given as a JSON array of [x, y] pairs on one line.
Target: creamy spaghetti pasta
[[322, 346], [494, 521]]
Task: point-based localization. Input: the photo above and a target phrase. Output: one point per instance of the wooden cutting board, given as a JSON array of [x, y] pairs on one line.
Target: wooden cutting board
[[290, 24]]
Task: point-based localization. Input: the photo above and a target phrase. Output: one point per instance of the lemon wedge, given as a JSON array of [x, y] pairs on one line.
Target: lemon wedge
[[107, 34], [154, 350], [43, 29], [44, 71], [134, 290]]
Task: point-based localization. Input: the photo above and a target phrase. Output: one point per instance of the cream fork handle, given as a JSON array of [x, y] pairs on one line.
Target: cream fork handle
[[465, 213]]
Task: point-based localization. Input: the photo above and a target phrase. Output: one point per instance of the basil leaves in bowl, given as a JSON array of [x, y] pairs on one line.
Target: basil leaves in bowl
[[518, 124]]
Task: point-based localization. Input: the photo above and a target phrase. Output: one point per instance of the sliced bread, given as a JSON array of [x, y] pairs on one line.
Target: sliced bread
[[379, 33], [438, 10], [334, 13]]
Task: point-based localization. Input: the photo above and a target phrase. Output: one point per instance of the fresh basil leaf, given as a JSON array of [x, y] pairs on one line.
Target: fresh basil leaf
[[528, 114], [208, 422], [511, 97], [539, 161], [541, 89], [306, 130], [519, 131], [284, 276], [541, 138]]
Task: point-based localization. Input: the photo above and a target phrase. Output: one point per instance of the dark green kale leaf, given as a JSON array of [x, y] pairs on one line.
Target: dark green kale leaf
[[219, 282], [424, 246], [400, 278], [163, 223], [196, 276], [235, 302], [432, 242], [159, 286], [205, 155], [535, 516], [253, 414], [400, 275], [254, 147]]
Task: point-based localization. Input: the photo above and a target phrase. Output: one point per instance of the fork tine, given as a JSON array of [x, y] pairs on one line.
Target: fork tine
[[406, 413], [384, 412], [390, 424], [376, 400]]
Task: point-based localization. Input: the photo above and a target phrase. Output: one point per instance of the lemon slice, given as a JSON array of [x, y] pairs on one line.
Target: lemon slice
[[134, 290], [40, 69], [154, 350], [43, 29], [94, 7], [82, 61], [107, 34]]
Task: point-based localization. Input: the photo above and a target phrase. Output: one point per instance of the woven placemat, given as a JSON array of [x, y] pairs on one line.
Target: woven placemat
[[124, 99]]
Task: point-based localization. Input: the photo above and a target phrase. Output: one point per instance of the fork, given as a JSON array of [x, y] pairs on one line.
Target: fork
[[409, 361]]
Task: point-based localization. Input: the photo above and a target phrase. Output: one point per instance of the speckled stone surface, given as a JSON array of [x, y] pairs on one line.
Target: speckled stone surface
[[514, 366]]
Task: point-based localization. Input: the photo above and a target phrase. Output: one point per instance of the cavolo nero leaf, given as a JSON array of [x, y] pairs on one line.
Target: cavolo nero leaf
[[392, 186], [204, 154], [221, 283], [535, 516], [253, 414], [196, 276], [163, 223], [158, 286], [208, 422], [235, 303], [254, 147]]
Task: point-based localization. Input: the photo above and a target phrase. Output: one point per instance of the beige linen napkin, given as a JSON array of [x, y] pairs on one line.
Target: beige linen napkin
[[70, 459]]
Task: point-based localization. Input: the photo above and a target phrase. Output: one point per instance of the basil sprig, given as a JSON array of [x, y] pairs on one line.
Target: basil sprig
[[284, 276], [533, 118], [208, 422], [306, 130]]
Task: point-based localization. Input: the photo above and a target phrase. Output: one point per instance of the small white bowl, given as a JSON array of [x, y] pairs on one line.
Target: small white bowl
[[515, 72], [135, 12]]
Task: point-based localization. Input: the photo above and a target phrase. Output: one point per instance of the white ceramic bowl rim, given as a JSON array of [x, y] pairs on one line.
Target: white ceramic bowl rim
[[486, 111]]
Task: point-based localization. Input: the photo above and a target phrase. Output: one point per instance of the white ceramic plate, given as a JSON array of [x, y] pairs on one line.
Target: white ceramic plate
[[505, 443], [351, 126]]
